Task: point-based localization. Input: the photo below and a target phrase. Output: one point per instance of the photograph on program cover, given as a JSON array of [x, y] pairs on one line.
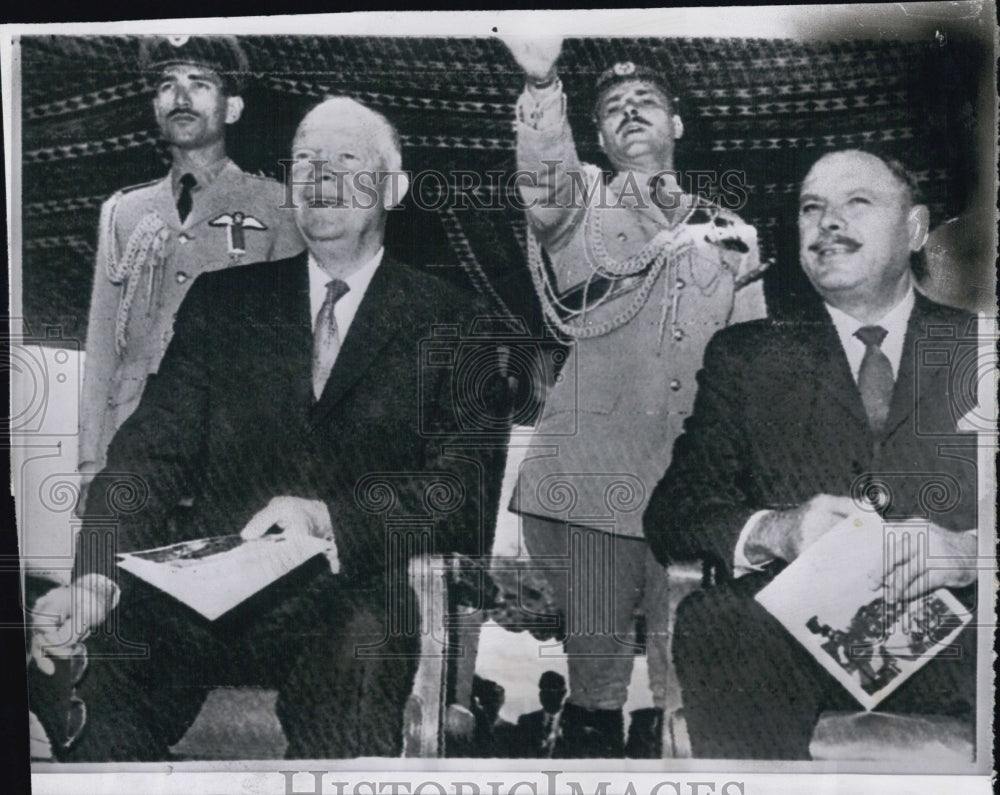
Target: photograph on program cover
[[553, 345]]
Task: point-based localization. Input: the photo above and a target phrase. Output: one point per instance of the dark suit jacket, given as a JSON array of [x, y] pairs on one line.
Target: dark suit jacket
[[531, 734], [230, 418], [778, 419]]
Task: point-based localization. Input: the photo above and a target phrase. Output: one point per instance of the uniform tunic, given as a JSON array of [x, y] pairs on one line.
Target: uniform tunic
[[147, 259]]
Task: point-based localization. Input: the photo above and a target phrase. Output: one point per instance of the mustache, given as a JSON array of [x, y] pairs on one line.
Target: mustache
[[182, 112], [631, 120], [834, 240]]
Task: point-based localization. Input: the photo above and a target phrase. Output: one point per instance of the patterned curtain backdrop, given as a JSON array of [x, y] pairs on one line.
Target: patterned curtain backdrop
[[764, 108]]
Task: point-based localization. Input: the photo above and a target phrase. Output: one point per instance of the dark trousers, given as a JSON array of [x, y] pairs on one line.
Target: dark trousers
[[341, 654], [751, 691]]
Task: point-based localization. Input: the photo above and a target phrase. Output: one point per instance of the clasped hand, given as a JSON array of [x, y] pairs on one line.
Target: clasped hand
[[919, 556], [62, 619], [295, 515]]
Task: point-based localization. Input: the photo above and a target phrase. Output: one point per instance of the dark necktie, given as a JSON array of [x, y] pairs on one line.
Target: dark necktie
[[184, 200], [875, 379], [326, 338]]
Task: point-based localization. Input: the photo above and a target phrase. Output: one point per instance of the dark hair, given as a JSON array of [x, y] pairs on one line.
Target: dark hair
[[551, 680]]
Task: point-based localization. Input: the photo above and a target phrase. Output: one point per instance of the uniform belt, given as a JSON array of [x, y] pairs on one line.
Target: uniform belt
[[573, 301]]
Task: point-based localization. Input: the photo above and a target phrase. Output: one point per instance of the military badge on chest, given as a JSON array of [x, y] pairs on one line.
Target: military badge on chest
[[237, 225]]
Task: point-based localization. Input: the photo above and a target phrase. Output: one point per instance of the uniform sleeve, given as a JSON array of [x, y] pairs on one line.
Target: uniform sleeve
[[551, 181], [101, 357], [749, 303]]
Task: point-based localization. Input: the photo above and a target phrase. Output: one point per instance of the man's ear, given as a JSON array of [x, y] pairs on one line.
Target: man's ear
[[234, 109], [395, 184], [678, 127], [918, 223]]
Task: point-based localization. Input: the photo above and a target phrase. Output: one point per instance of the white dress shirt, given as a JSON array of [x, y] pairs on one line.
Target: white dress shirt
[[347, 307], [894, 322]]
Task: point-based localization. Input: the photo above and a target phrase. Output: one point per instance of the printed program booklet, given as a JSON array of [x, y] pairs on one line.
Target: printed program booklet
[[214, 575], [832, 600]]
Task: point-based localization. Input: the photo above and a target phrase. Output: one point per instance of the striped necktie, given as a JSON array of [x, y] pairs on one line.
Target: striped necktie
[[326, 337]]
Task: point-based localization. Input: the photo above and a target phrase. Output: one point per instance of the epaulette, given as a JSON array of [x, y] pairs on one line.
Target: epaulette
[[141, 185]]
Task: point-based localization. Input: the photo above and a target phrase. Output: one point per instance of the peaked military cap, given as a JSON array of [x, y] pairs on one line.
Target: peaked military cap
[[627, 72], [222, 54]]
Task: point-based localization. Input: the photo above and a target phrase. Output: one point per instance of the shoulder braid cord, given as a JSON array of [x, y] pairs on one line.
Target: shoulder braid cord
[[665, 249], [145, 247]]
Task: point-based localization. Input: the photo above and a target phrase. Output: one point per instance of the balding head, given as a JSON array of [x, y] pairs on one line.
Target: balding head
[[348, 116], [346, 175]]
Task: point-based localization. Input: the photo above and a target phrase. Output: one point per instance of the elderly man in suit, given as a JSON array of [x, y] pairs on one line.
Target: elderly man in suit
[[638, 276], [156, 238], [292, 398], [793, 422]]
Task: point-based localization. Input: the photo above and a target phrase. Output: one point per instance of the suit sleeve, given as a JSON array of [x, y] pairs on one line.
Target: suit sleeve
[[155, 455], [703, 501], [99, 367]]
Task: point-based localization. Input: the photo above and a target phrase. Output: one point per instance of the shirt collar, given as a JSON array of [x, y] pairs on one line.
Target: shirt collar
[[358, 283], [205, 175], [894, 322]]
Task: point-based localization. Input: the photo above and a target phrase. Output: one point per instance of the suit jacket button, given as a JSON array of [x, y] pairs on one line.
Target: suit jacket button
[[675, 385], [679, 284], [678, 334], [181, 277], [182, 238]]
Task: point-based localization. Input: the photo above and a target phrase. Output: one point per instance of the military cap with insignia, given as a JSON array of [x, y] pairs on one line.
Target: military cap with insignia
[[628, 72], [222, 54]]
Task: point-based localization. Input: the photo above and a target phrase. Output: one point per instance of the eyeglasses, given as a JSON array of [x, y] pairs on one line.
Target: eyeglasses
[[76, 717]]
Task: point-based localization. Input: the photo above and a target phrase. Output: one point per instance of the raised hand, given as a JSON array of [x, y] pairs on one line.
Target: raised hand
[[536, 56]]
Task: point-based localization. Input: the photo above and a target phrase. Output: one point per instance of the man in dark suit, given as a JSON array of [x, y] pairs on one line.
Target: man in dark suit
[[293, 397], [539, 732], [795, 426]]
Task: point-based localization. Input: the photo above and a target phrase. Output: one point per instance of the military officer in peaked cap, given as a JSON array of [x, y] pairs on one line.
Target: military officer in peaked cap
[[155, 239], [639, 276]]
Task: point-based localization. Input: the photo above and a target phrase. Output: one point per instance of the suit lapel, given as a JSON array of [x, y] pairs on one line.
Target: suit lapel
[[904, 394], [835, 382], [296, 317], [375, 324]]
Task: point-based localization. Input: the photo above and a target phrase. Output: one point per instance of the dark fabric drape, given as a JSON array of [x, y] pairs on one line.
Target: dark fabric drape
[[764, 108]]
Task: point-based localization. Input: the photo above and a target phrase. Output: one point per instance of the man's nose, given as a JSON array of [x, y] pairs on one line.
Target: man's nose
[[182, 97], [832, 220]]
